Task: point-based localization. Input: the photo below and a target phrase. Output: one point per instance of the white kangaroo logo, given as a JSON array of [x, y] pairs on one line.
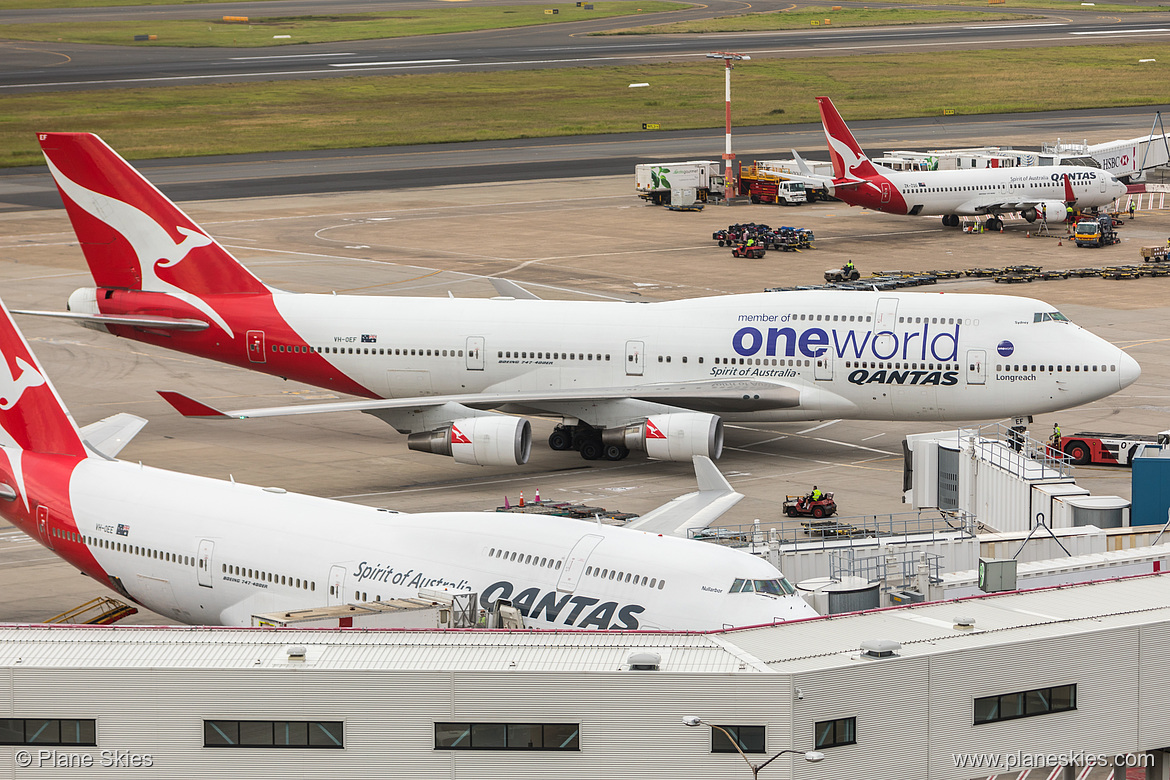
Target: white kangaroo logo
[[152, 245], [846, 152], [11, 389]]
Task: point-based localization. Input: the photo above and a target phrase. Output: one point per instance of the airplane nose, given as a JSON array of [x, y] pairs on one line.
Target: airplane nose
[[1128, 370]]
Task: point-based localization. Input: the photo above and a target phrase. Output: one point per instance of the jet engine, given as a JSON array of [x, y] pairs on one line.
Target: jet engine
[[672, 436], [493, 440], [1055, 210]]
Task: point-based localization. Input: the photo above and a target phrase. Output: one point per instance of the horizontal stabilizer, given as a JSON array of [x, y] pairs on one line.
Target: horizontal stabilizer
[[189, 407], [694, 510], [133, 320], [512, 290], [107, 437]]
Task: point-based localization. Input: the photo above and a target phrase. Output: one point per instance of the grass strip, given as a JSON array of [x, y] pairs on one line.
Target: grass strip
[[416, 108], [213, 31], [818, 17]]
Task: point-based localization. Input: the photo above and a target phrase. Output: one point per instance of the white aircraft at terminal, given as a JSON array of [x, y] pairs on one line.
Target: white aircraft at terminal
[[211, 552], [1033, 192], [459, 375]]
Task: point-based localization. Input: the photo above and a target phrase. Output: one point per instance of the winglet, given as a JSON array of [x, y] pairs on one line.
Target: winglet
[[189, 407], [511, 289], [801, 165], [694, 510]]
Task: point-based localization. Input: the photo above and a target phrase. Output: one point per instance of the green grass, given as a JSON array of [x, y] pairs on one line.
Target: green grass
[[814, 17], [212, 31], [418, 108]]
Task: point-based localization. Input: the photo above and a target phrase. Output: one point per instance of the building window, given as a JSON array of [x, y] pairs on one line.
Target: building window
[[48, 731], [749, 738], [1025, 704], [273, 733], [507, 736], [833, 733]]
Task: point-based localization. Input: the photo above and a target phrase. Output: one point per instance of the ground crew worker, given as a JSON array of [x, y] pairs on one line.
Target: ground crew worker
[[1056, 435], [816, 494], [849, 267], [1132, 208], [1068, 213]]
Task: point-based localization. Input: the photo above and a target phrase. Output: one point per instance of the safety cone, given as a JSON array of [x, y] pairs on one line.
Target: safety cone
[[1059, 242], [1001, 227], [506, 504], [521, 498], [1028, 234], [537, 500]]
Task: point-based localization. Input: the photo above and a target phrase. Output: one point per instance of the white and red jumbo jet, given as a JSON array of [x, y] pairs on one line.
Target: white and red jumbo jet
[[210, 552], [1033, 192], [458, 374]]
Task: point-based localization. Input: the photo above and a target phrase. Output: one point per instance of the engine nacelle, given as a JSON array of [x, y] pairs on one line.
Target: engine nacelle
[[672, 436], [492, 440], [1054, 209]]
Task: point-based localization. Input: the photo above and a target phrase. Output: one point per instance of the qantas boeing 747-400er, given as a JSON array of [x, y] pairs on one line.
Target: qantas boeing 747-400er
[[210, 552], [1033, 191], [457, 375]]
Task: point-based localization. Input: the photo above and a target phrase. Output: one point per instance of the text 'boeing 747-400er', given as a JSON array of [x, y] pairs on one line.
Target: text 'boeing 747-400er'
[[206, 551], [457, 375]]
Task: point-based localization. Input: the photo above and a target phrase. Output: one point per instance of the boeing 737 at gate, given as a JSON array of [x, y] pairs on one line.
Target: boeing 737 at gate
[[1032, 191], [458, 375], [210, 552]]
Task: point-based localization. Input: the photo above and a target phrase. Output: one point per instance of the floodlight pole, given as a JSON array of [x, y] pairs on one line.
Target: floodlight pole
[[728, 157]]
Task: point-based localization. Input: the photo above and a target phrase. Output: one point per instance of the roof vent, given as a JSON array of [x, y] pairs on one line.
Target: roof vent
[[964, 623], [644, 662], [880, 648], [295, 652]]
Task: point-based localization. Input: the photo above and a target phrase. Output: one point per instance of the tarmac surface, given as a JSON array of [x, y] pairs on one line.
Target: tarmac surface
[[588, 238]]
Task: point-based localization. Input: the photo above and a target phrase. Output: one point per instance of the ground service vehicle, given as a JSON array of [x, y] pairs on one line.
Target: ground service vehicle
[[1096, 231], [804, 506], [1119, 448], [765, 186], [654, 181], [841, 275], [755, 252]]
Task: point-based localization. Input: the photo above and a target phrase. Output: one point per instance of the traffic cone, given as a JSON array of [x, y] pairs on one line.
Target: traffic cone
[[521, 498], [1000, 227], [537, 499], [506, 504], [1059, 242]]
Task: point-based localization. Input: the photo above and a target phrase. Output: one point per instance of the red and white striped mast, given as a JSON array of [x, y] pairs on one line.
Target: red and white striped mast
[[728, 157]]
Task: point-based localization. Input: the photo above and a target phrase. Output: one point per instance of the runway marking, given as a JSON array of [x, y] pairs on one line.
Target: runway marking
[[818, 427], [867, 438], [1123, 32], [380, 64], [1014, 26], [297, 56]]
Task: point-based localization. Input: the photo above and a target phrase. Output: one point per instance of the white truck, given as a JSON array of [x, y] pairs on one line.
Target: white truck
[[654, 181]]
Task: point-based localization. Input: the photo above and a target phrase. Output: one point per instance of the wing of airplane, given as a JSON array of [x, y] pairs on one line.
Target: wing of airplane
[[107, 437], [709, 394], [155, 322], [694, 510]]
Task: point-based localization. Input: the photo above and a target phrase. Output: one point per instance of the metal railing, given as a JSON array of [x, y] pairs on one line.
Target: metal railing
[[893, 566], [1016, 452], [837, 531]]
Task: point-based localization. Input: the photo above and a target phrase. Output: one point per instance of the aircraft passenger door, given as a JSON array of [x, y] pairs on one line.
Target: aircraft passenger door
[[976, 367], [885, 192], [336, 585], [43, 525], [635, 356], [823, 365], [475, 347], [575, 562], [256, 346], [885, 317], [203, 563]]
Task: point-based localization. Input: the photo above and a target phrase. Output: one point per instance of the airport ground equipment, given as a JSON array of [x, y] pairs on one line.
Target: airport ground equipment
[[1115, 448], [1096, 232], [768, 186], [655, 182], [804, 506], [841, 275], [754, 252]]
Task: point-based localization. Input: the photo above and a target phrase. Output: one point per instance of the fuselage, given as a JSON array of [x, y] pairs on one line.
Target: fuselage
[[795, 355], [981, 191], [210, 552]]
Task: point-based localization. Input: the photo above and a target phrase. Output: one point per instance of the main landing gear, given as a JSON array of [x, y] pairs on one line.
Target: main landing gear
[[586, 440]]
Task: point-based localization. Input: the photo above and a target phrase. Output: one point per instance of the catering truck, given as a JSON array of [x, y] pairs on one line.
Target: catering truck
[[654, 181]]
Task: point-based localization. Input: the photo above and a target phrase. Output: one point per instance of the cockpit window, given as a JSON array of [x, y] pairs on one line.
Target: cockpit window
[[1046, 316], [779, 587]]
